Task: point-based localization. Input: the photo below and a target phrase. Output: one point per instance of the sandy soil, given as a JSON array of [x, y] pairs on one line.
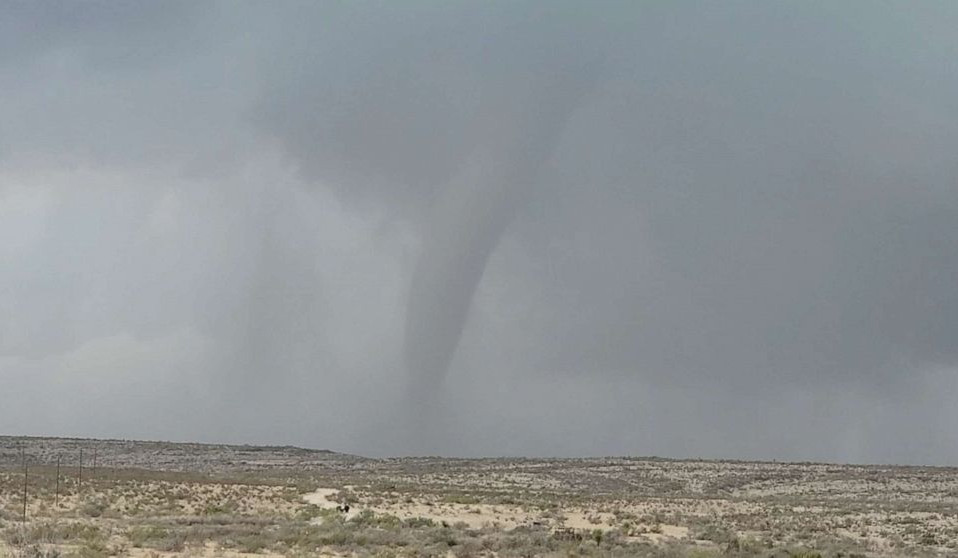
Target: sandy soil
[[328, 499]]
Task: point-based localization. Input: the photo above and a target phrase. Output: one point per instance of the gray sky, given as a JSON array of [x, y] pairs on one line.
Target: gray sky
[[487, 228]]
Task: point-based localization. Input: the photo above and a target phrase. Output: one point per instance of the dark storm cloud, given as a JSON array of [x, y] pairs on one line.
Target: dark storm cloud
[[691, 229]]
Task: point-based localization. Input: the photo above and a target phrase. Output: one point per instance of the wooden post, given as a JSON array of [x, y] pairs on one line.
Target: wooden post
[[80, 473], [57, 504], [93, 472]]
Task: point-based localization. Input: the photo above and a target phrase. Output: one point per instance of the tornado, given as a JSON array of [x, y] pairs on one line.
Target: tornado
[[518, 130]]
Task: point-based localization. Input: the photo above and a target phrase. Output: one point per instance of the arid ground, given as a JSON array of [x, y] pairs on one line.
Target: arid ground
[[165, 499]]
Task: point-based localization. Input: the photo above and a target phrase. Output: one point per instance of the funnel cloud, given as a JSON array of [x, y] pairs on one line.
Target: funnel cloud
[[517, 133]]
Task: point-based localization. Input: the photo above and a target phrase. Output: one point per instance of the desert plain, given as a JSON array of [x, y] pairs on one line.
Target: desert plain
[[158, 499]]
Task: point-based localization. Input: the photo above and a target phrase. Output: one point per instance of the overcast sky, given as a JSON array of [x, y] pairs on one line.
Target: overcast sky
[[484, 228]]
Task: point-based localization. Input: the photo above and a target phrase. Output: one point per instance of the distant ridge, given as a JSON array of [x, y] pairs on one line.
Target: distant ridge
[[164, 455]]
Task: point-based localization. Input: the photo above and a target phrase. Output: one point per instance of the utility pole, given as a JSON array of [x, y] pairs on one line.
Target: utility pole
[[58, 483], [23, 457]]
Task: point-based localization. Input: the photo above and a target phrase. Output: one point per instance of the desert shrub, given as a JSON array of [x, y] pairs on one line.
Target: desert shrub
[[292, 535], [445, 536], [227, 507], [711, 532], [36, 551], [95, 507], [418, 522], [253, 542], [145, 534], [173, 542], [95, 548], [311, 511]]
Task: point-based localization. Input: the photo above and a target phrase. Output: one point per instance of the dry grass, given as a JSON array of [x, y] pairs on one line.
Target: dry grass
[[163, 499]]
